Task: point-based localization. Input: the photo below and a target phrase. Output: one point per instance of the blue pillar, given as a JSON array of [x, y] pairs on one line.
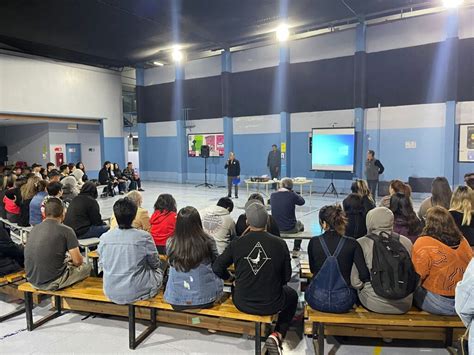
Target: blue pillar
[[360, 98], [142, 137], [226, 114], [449, 142], [285, 116], [182, 173]]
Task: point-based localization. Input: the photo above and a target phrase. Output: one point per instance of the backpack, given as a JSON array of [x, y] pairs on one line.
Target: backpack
[[393, 275], [328, 291]]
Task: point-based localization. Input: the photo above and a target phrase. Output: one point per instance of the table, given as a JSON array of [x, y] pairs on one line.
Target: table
[[258, 183], [303, 182]]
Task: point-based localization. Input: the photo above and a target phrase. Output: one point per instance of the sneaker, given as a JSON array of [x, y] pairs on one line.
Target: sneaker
[[121, 193], [295, 254], [273, 345], [140, 189], [236, 196], [229, 196]]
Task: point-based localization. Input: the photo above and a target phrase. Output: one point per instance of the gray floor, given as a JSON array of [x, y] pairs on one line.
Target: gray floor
[[77, 333]]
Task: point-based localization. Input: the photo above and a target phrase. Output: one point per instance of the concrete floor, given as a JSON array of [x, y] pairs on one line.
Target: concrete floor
[[78, 333]]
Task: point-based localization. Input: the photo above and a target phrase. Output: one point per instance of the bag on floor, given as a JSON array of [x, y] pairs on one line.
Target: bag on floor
[[393, 275], [328, 290]]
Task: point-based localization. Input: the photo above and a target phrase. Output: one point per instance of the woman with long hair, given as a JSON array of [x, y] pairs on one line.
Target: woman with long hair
[[163, 221], [440, 196], [33, 185], [361, 188], [191, 252], [461, 208], [395, 187], [406, 221], [440, 257], [346, 251], [80, 166]]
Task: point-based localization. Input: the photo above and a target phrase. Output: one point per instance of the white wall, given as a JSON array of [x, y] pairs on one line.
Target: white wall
[[200, 68], [255, 58], [43, 87], [466, 23], [159, 75], [305, 121], [257, 124]]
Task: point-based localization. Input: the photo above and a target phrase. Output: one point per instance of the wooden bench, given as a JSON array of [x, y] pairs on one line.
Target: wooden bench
[[6, 281], [360, 322], [91, 290], [94, 256]]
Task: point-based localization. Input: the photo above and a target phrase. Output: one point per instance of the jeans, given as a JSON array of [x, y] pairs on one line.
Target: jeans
[[229, 186], [433, 303], [373, 187], [288, 312], [94, 232], [299, 227], [320, 301]]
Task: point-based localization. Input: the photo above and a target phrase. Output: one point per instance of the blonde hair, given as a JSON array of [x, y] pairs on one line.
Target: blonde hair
[[361, 188], [462, 202], [29, 190], [136, 197]]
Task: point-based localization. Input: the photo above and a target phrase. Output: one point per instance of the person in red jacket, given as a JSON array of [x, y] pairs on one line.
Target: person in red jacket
[[163, 221]]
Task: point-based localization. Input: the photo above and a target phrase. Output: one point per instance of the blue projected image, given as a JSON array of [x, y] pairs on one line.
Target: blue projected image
[[333, 150]]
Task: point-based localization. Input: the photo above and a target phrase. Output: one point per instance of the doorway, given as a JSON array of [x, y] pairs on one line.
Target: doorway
[[73, 153]]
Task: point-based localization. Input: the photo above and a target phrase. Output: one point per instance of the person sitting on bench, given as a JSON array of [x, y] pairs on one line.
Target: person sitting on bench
[[135, 181], [241, 226], [218, 223], [128, 256], [142, 219], [11, 254], [52, 257], [83, 214], [262, 268], [35, 204], [283, 203], [440, 256], [106, 178], [163, 221], [191, 282], [13, 200]]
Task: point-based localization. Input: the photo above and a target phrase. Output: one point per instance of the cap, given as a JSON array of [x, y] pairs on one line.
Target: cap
[[257, 215]]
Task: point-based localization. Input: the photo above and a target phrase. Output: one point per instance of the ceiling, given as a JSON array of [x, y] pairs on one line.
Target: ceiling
[[119, 33]]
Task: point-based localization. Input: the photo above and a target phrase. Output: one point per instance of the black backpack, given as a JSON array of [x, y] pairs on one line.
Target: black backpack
[[393, 275]]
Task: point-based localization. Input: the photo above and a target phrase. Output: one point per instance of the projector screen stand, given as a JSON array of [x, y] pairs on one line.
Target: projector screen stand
[[206, 184], [331, 188]]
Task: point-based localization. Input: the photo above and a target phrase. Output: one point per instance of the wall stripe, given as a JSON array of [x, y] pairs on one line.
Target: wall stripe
[[257, 125]]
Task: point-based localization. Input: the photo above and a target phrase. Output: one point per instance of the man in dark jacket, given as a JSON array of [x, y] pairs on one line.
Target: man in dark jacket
[[262, 270], [105, 178], [135, 180], [373, 168], [233, 172], [83, 214], [274, 164]]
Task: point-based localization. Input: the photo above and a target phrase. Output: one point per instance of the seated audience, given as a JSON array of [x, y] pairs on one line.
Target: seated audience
[[50, 166], [54, 189], [6, 183], [361, 188], [406, 222], [462, 209], [36, 170], [262, 270], [36, 202], [28, 191], [106, 178], [283, 203], [469, 180], [163, 221], [121, 178], [80, 166], [218, 223], [54, 176], [135, 181], [12, 200], [78, 174], [241, 227], [395, 187], [83, 214], [440, 196], [64, 170], [464, 301], [355, 212], [11, 254], [191, 282], [380, 227], [52, 257], [331, 257], [440, 256], [70, 187], [138, 275], [142, 220]]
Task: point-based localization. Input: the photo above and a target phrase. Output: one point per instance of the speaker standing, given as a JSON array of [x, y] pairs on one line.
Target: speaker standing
[[373, 168], [233, 172], [274, 164]]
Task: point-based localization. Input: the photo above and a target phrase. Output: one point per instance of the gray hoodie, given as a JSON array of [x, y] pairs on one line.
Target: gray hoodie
[[217, 222], [379, 220]]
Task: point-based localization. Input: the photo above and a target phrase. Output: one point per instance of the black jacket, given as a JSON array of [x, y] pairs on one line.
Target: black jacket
[[82, 213], [233, 168], [11, 254], [104, 176], [262, 267]]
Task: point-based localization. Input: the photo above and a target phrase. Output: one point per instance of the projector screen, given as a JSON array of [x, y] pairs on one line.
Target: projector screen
[[333, 149]]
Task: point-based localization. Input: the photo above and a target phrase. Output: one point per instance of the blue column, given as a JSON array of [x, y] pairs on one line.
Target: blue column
[[360, 93], [226, 114], [285, 116], [449, 142], [142, 137], [182, 173]]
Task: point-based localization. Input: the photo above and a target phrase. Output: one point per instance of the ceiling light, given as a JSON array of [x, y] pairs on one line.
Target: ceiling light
[[450, 4], [177, 55], [159, 64], [282, 33]]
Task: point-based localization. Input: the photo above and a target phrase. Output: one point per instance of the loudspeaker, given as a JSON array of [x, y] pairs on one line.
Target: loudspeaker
[[205, 151], [3, 154]]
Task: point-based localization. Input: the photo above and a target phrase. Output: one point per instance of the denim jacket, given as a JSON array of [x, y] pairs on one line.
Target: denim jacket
[[465, 300], [198, 286]]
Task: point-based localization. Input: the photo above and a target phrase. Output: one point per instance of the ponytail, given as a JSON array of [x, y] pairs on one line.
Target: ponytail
[[335, 217]]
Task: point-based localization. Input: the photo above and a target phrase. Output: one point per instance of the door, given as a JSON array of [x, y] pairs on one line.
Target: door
[[73, 153]]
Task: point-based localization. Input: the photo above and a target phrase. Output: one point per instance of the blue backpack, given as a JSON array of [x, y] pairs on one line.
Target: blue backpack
[[328, 291]]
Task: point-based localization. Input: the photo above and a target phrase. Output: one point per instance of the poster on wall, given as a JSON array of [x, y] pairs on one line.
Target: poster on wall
[[466, 143], [215, 141]]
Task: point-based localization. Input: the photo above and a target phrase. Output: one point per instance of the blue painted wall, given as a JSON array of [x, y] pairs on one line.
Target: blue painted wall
[[114, 150]]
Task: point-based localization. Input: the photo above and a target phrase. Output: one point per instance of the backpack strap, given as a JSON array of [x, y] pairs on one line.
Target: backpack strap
[[326, 249]]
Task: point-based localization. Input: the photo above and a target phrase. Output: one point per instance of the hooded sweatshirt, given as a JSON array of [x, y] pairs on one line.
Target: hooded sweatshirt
[[217, 222], [162, 226], [379, 222]]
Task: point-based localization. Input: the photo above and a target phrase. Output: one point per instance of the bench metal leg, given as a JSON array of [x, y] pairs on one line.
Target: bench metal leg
[[133, 341], [95, 266], [30, 324], [258, 339], [448, 342], [318, 338], [12, 314]]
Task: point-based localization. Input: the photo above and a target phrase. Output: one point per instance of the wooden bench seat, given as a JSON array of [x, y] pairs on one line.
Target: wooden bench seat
[[91, 290], [5, 283], [360, 322]]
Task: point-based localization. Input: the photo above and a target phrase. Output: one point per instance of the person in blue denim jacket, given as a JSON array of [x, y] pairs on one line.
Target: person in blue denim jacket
[[464, 300], [191, 282]]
